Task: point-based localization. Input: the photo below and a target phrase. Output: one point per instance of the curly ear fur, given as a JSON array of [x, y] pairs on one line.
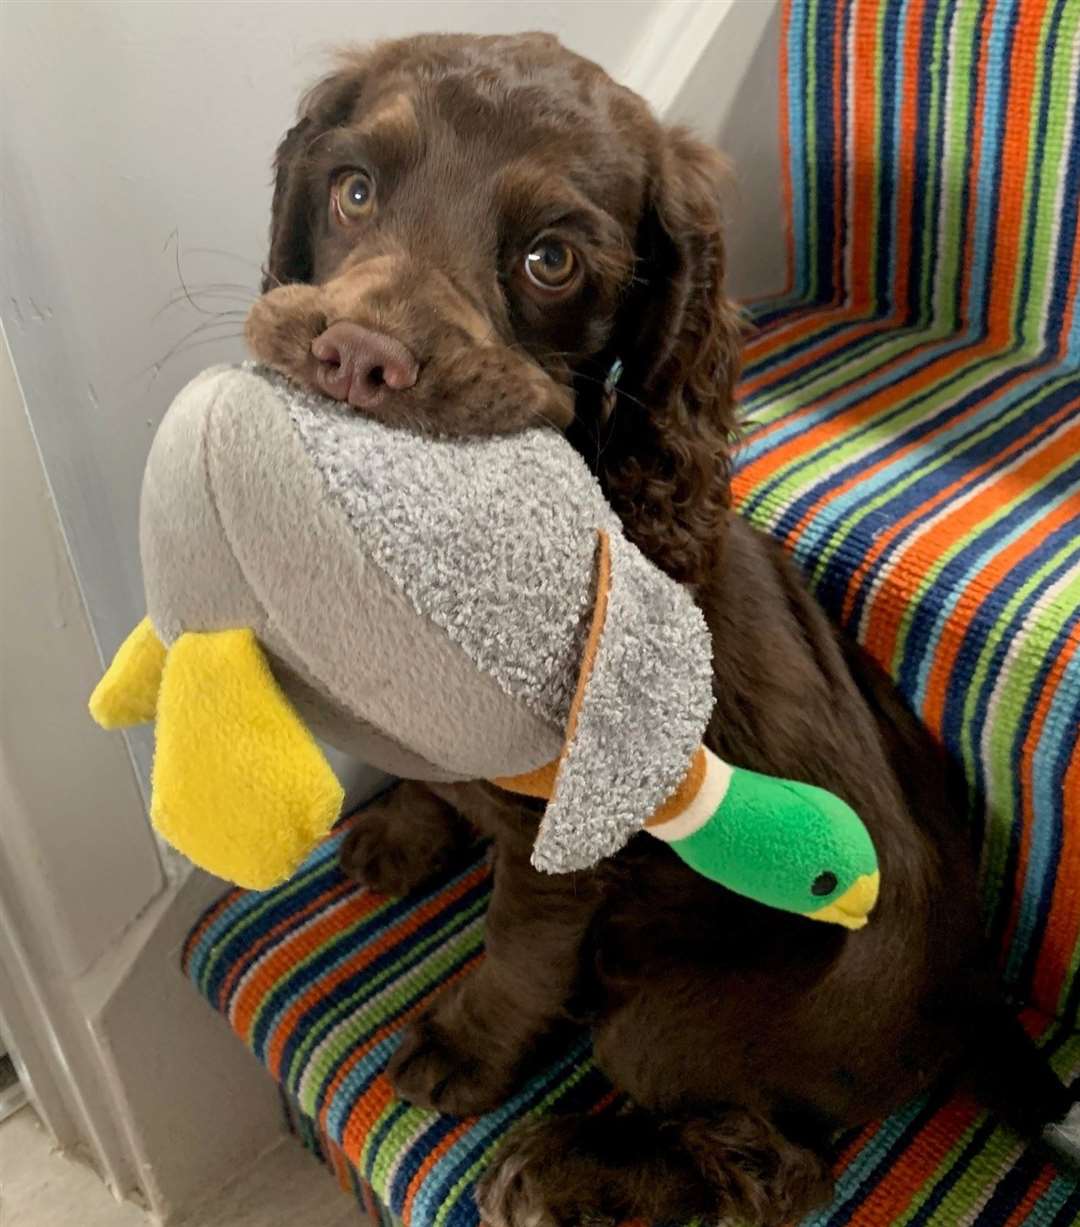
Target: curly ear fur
[[325, 105], [665, 458]]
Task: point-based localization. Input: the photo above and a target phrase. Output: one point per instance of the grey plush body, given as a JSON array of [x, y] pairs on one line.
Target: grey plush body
[[425, 603]]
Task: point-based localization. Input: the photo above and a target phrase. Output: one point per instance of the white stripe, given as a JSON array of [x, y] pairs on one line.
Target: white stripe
[[1011, 1157], [314, 1071], [901, 558], [1033, 626], [708, 800], [272, 949]]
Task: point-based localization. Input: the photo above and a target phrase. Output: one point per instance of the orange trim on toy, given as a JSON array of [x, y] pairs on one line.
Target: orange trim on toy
[[684, 794], [541, 781]]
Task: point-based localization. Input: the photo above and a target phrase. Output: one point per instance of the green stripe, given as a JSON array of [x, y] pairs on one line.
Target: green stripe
[[825, 463], [959, 139], [934, 166], [308, 1082], [977, 1180], [930, 576], [811, 154], [880, 119], [998, 834], [253, 916], [469, 1176], [840, 534], [1032, 236]]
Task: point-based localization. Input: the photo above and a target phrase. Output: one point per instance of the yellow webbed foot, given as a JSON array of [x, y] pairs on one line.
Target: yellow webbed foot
[[240, 786], [128, 692]]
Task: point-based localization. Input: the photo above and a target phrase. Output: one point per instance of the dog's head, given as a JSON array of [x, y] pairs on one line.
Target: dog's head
[[471, 235]]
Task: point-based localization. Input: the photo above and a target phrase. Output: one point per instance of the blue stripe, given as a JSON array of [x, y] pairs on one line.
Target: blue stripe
[[345, 944], [1050, 762], [358, 988], [832, 524], [928, 620], [1049, 402]]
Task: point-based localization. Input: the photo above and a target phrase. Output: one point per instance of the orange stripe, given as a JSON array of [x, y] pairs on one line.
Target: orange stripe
[[430, 1159], [263, 976], [909, 1172], [905, 193], [196, 935], [1027, 1203], [824, 433], [1072, 297], [252, 952], [785, 147], [1017, 148], [968, 260], [880, 543], [369, 1106], [806, 359], [864, 125], [375, 1100], [339, 1165], [1009, 220], [1031, 740], [789, 331], [839, 153], [1063, 924], [885, 617], [883, 626], [838, 489], [863, 1138], [325, 985]]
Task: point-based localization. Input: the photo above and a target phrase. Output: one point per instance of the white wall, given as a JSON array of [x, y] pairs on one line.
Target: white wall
[[137, 135], [134, 132]]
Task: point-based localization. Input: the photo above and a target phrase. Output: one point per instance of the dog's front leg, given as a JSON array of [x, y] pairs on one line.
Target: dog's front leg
[[466, 1054]]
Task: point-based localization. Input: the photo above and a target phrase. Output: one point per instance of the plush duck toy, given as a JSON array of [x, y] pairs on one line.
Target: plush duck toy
[[451, 609]]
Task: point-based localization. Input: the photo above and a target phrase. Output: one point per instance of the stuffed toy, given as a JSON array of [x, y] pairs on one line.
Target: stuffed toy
[[445, 609]]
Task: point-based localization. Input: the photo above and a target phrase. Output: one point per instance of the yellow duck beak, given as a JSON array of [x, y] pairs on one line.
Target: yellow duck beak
[[240, 786], [853, 908]]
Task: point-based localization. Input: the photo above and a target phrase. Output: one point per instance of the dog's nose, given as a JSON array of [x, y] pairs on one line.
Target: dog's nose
[[358, 365]]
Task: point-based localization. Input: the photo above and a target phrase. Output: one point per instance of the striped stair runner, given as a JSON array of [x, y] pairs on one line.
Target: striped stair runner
[[915, 400], [319, 976]]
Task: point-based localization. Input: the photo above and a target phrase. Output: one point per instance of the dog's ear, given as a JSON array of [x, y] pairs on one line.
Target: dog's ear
[[292, 216], [665, 451]]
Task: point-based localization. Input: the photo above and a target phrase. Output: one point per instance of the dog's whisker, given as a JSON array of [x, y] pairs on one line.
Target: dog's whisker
[[217, 312], [194, 338], [228, 255]]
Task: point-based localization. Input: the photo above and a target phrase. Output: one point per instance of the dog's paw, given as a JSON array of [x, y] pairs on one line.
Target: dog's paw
[[401, 840], [516, 1190], [431, 1069]]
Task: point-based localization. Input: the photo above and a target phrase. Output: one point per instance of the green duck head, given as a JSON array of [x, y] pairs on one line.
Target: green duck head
[[788, 845]]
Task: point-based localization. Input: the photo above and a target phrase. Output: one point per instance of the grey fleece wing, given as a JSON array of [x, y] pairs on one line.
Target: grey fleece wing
[[642, 715]]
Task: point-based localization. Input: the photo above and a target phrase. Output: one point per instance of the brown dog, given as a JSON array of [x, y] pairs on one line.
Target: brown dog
[[467, 233]]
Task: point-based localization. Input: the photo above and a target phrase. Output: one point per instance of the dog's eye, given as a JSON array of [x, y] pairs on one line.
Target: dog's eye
[[551, 264], [353, 195]]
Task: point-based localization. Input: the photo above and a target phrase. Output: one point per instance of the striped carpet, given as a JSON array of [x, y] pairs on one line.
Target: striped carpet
[[915, 400], [915, 406], [319, 976]]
